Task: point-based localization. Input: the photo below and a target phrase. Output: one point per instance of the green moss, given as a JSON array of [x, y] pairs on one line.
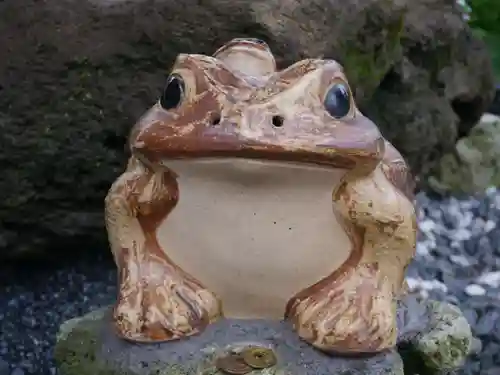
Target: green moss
[[485, 22], [474, 165], [77, 345], [69, 357], [444, 348], [367, 67]]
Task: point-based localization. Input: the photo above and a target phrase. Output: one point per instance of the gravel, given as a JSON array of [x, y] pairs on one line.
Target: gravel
[[36, 298], [457, 260]]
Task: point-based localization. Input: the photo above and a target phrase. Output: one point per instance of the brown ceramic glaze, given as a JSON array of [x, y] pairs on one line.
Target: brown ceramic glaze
[[248, 199]]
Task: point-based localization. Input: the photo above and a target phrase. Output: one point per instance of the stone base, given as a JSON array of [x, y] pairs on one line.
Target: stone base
[[434, 338]]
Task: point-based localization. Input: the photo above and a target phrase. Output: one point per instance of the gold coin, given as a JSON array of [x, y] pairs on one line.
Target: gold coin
[[233, 364], [259, 358]]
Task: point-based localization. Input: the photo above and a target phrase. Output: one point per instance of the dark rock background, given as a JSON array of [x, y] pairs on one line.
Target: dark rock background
[[75, 74]]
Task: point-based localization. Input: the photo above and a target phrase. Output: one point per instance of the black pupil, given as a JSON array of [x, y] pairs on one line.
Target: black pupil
[[172, 94], [338, 101]]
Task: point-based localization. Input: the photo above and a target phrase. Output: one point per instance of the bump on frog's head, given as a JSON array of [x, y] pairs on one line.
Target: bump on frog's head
[[236, 104], [250, 56]]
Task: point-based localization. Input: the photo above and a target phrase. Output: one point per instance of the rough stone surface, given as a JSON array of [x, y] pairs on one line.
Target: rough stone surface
[[434, 338], [474, 164], [449, 339], [78, 73], [494, 107]]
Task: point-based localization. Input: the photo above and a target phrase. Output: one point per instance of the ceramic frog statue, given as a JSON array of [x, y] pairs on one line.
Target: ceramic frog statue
[[253, 192]]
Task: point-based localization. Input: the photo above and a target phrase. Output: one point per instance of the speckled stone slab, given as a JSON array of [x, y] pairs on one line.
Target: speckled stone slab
[[434, 338]]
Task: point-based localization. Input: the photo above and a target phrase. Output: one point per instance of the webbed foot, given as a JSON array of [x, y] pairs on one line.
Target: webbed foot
[[157, 300], [354, 314]]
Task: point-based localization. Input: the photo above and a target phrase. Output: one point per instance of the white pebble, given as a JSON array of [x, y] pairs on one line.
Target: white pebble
[[490, 225], [478, 225], [475, 290], [439, 285], [422, 249], [461, 234], [490, 278], [460, 260], [412, 283], [426, 285], [424, 294], [490, 118], [492, 190], [419, 284], [466, 219], [426, 225]]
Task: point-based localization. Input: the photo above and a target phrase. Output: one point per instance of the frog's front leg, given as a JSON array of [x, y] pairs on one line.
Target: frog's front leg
[[157, 300], [354, 309]]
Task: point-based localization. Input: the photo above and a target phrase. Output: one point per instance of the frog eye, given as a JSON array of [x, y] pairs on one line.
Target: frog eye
[[173, 93], [337, 100]]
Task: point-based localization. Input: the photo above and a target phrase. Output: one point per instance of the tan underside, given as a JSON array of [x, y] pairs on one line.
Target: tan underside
[[255, 233]]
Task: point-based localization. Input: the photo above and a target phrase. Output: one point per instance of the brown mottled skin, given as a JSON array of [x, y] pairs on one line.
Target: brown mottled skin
[[350, 311]]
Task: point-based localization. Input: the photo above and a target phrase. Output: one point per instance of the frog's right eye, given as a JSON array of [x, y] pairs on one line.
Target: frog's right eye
[[173, 93], [337, 101]]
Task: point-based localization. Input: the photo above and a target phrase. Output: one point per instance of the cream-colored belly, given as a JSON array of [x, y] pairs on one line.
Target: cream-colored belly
[[254, 233]]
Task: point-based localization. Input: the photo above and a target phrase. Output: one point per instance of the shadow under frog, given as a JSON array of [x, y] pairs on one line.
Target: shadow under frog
[[253, 192]]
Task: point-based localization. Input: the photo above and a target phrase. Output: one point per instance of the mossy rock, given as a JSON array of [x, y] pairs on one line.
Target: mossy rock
[[442, 346], [475, 163], [436, 334], [446, 345], [87, 346], [415, 67]]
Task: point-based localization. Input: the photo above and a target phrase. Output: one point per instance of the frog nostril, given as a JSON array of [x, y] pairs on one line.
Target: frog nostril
[[278, 121], [215, 120]]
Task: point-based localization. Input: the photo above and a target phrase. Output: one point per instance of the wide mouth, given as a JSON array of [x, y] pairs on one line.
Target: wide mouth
[[247, 171], [346, 155]]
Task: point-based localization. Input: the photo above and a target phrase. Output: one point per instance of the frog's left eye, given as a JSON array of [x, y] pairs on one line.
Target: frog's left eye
[[337, 100], [173, 93]]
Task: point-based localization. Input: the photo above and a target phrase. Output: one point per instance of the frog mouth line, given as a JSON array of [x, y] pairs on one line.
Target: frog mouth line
[[345, 156], [242, 167]]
